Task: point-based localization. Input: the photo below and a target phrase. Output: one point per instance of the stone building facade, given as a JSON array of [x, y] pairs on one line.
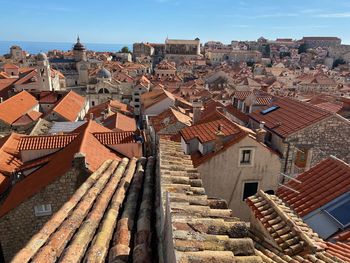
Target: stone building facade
[[318, 141], [314, 42], [21, 223]]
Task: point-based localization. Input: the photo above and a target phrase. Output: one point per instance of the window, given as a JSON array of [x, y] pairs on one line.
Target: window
[[92, 103], [268, 110], [246, 157], [42, 210], [250, 188], [301, 158]]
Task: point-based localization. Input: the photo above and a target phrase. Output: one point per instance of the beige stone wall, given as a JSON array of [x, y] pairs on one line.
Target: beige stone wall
[[20, 224], [223, 177]]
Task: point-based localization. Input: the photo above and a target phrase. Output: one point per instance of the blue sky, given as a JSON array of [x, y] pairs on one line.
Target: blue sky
[[128, 21]]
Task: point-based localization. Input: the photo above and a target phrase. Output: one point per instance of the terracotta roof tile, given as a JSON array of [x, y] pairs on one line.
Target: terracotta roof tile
[[120, 122], [45, 142], [290, 116], [70, 106], [237, 113], [169, 117], [97, 223], [205, 132], [110, 138], [95, 154], [203, 229], [322, 183], [150, 98], [17, 106], [286, 232]]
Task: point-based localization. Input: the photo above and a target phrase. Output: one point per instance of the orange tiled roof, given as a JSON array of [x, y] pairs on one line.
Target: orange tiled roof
[[5, 85], [95, 154], [290, 239], [16, 106], [329, 106], [205, 132], [70, 106], [27, 118], [120, 122], [45, 142], [237, 113], [91, 224], [321, 184], [340, 250], [290, 117], [112, 138], [9, 160], [150, 98], [169, 117], [10, 66]]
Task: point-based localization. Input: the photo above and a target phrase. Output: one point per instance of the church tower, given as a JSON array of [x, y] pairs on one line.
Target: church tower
[[44, 73], [79, 51]]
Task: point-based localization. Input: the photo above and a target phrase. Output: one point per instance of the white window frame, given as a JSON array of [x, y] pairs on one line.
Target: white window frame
[[249, 181], [252, 156], [43, 210]]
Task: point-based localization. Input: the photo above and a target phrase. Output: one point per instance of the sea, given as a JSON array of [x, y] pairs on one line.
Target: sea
[[37, 47]]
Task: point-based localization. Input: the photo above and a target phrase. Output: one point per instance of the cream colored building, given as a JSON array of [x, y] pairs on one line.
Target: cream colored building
[[233, 163]]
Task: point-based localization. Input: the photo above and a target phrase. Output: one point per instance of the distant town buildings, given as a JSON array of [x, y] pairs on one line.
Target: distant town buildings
[[178, 151]]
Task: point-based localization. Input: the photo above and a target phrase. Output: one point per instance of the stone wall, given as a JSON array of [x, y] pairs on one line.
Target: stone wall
[[20, 224], [329, 137]]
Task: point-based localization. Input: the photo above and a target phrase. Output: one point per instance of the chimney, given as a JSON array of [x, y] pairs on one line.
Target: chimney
[[91, 116], [261, 132], [197, 110], [219, 138]]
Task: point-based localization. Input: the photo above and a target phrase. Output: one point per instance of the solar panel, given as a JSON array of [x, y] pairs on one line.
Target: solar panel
[[341, 213], [268, 110]]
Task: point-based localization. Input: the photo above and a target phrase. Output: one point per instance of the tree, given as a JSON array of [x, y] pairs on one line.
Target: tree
[[125, 50]]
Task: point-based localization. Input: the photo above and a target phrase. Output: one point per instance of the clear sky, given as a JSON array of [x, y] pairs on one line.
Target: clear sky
[[128, 21]]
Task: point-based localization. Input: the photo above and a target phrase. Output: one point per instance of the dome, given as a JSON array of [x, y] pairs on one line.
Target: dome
[[41, 56], [78, 45], [103, 74]]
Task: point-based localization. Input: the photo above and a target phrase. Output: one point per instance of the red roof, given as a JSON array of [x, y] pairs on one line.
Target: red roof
[[96, 153], [151, 98], [205, 132], [5, 86], [28, 118], [48, 97], [112, 138], [45, 142], [329, 106], [10, 66], [291, 116], [70, 106], [169, 117], [321, 184], [242, 95], [340, 250], [120, 122], [237, 113], [9, 161], [16, 106]]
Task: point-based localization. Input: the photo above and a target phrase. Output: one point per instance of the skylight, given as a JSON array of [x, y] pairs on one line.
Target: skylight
[[268, 110]]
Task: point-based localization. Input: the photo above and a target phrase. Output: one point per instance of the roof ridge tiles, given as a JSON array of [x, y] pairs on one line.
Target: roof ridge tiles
[[186, 201], [39, 239]]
